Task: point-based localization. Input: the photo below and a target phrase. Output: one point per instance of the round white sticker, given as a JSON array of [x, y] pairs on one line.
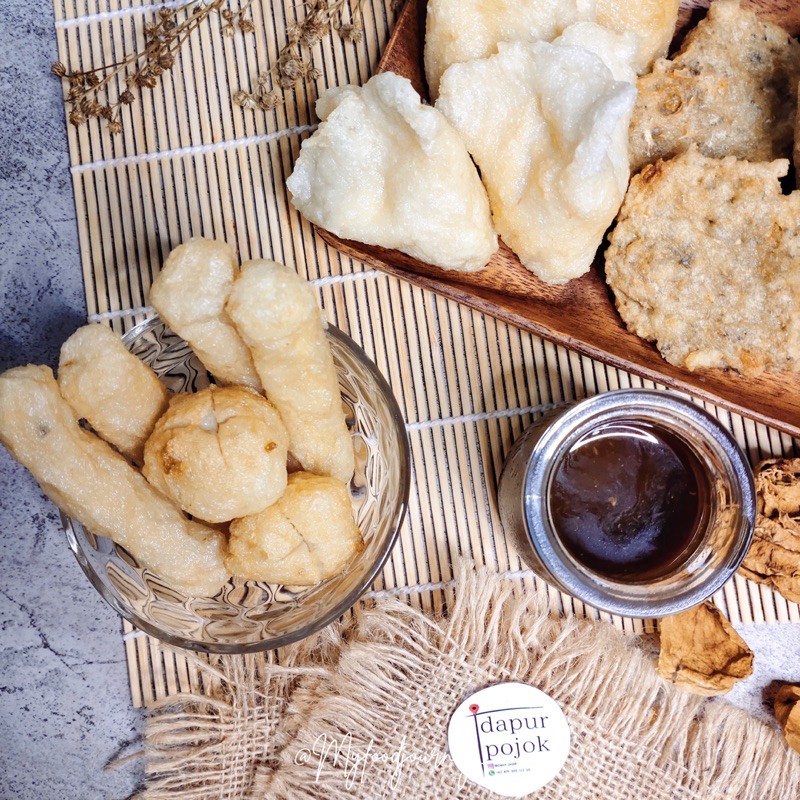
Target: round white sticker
[[510, 738]]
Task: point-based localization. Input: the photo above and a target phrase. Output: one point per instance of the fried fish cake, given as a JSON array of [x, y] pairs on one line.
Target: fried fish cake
[[732, 90], [219, 453], [117, 393], [385, 169], [307, 536], [462, 30], [547, 125], [457, 31], [89, 481], [705, 261], [653, 21]]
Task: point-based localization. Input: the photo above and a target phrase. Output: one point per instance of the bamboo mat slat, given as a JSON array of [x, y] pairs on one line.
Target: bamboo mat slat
[[190, 163]]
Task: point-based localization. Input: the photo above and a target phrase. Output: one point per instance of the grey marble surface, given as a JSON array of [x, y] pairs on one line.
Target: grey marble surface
[[64, 699], [777, 660]]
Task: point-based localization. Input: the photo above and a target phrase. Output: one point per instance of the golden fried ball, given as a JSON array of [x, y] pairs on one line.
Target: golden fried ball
[[219, 453]]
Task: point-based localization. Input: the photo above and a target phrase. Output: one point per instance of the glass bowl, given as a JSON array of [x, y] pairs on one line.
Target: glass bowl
[[246, 616]]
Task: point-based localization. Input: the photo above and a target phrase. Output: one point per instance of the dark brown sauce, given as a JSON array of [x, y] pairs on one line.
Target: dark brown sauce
[[627, 501]]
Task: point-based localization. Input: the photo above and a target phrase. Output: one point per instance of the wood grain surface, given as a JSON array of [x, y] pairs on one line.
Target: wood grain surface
[[580, 315]]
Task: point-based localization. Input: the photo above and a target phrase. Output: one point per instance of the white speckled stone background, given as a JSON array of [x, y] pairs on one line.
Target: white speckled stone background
[[64, 699]]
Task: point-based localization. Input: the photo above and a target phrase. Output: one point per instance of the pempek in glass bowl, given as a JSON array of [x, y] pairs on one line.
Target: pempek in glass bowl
[[246, 616]]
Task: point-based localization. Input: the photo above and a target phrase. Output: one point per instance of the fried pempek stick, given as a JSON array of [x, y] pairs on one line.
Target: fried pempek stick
[[90, 482], [276, 313], [189, 294], [117, 393]]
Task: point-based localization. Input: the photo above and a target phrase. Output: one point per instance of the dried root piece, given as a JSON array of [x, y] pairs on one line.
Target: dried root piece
[[701, 651], [774, 557], [787, 712]]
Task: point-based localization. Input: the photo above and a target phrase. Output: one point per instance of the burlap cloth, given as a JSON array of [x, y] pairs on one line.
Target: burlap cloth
[[361, 711]]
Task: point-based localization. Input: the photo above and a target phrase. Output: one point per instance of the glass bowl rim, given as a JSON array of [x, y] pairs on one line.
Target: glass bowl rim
[[341, 607]]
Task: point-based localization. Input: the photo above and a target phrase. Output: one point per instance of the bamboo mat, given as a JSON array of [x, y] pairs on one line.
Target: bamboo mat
[[189, 163]]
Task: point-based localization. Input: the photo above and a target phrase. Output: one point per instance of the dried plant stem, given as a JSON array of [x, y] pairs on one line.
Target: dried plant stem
[[164, 37], [293, 65], [239, 18]]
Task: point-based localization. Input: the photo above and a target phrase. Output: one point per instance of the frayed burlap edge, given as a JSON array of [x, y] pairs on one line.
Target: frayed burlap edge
[[209, 744], [390, 677]]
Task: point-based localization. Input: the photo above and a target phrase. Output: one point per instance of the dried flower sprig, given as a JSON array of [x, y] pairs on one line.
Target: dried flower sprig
[[237, 19], [164, 36], [263, 96], [293, 65]]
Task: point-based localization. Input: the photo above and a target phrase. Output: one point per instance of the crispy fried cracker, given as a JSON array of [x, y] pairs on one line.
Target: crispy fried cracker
[[796, 151], [705, 261], [732, 90]]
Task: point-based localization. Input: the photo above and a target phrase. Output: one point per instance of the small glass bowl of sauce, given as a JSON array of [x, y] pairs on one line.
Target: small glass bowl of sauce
[[636, 502]]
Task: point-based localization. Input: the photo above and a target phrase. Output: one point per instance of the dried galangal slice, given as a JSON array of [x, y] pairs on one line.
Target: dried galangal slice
[[774, 556], [787, 712], [701, 651]]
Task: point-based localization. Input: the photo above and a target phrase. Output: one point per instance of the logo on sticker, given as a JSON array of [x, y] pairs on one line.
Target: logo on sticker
[[511, 738]]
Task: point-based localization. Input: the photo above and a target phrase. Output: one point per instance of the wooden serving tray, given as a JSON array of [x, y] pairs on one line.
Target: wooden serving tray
[[580, 315]]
